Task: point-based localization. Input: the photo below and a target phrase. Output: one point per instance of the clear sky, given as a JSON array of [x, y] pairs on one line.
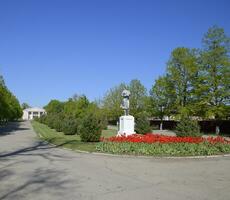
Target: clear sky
[[52, 49]]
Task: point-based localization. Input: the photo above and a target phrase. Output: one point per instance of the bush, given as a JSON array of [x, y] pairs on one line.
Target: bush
[[42, 119], [142, 124], [58, 122], [187, 127], [50, 121], [90, 128], [69, 126]]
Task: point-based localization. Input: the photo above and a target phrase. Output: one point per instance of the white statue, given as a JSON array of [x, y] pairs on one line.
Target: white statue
[[125, 102], [126, 122]]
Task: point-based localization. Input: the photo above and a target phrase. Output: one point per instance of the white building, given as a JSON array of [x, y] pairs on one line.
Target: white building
[[30, 113]]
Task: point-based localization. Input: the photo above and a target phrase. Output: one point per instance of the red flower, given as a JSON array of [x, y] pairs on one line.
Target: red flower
[[153, 138]]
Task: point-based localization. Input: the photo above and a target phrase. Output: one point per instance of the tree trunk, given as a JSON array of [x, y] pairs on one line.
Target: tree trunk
[[217, 130], [161, 125]]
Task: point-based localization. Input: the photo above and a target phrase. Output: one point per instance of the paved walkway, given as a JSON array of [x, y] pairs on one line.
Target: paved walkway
[[32, 170]]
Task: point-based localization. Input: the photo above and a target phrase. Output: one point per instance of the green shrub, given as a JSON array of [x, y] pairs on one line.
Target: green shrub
[[90, 128], [50, 121], [142, 124], [58, 122], [69, 126], [42, 119], [188, 128]]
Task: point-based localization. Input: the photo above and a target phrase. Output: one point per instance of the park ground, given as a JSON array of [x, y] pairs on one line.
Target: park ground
[[33, 169]]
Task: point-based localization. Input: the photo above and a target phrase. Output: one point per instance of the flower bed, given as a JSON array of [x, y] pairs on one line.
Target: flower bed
[[159, 145], [153, 138]]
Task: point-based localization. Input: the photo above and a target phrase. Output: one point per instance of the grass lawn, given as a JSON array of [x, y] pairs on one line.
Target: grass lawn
[[67, 141]]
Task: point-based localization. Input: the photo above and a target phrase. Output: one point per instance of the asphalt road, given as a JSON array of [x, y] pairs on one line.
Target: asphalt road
[[32, 170]]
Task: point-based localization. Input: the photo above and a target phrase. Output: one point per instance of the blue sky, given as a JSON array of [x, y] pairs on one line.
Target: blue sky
[[52, 49]]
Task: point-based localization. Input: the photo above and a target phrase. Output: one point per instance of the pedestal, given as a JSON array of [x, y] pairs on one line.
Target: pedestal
[[126, 125]]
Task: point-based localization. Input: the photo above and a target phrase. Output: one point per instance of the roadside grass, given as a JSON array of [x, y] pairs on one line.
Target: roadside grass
[[68, 141]]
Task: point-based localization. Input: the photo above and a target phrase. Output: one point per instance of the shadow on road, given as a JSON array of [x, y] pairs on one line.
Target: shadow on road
[[10, 128], [41, 179], [32, 150]]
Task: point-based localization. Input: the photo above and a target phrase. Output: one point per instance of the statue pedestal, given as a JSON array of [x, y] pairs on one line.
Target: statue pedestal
[[126, 126]]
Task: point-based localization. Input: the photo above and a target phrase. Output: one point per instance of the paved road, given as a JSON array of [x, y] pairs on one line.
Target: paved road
[[32, 170]]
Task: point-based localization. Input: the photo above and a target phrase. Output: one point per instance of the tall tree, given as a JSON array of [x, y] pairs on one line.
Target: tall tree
[[182, 72], [10, 108], [215, 73]]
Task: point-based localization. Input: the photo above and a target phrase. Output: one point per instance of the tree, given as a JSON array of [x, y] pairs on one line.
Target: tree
[[215, 73], [112, 102], [162, 98], [10, 108], [182, 72], [138, 97], [54, 106], [2, 82], [25, 106], [76, 106]]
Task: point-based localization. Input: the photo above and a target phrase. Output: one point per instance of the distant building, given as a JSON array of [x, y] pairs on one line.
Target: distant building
[[31, 113]]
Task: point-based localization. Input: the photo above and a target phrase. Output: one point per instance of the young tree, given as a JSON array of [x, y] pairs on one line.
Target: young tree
[[138, 97], [112, 102], [162, 98]]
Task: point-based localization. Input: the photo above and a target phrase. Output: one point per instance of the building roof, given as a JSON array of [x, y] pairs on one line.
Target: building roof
[[35, 109]]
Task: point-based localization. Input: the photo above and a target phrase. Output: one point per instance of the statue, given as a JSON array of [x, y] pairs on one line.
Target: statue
[[125, 102], [126, 122]]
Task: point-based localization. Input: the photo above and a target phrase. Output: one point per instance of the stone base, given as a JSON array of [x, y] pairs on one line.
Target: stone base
[[126, 125]]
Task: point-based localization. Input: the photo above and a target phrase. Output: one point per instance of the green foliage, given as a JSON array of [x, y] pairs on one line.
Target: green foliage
[[112, 102], [10, 108], [76, 106], [42, 119], [159, 149], [90, 128], [138, 100], [197, 81], [142, 123], [182, 71], [162, 97], [25, 106], [69, 126], [99, 113], [54, 106], [138, 96], [188, 128], [67, 116], [215, 72]]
